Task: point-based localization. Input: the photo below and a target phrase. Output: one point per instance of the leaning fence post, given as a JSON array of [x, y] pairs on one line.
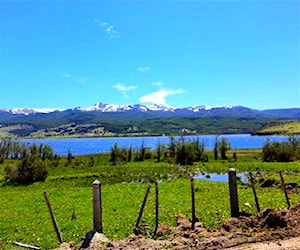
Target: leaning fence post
[[55, 225], [193, 203], [97, 206], [156, 208], [234, 202], [284, 189], [254, 192]]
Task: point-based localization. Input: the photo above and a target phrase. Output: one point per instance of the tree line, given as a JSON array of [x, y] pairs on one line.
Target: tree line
[[179, 151]]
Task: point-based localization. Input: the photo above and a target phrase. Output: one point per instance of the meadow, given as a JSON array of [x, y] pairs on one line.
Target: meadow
[[24, 216]]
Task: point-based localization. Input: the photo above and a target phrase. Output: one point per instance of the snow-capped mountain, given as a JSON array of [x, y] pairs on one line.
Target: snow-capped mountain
[[102, 107], [122, 108], [161, 111], [27, 111]]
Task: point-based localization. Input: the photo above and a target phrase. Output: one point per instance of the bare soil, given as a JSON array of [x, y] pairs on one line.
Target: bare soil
[[270, 229]]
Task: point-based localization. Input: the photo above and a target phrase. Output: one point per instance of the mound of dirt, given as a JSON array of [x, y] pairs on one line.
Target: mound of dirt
[[269, 225]]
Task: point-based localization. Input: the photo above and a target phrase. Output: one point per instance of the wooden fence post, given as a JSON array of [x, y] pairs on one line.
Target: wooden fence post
[[56, 228], [97, 206], [193, 203], [142, 207], [284, 189], [156, 208], [234, 202], [254, 192]]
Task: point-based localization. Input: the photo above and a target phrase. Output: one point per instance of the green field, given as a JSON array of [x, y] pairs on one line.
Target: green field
[[24, 216], [282, 128]]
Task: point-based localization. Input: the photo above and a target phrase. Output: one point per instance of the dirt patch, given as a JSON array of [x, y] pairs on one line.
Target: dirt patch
[[270, 225]]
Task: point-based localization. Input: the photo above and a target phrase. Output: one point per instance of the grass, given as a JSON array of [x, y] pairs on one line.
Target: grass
[[24, 216], [285, 128]]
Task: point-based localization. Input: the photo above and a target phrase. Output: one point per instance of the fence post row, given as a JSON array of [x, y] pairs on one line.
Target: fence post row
[[97, 206], [234, 203]]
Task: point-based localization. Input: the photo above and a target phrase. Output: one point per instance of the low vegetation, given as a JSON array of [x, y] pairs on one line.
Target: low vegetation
[[281, 152], [125, 174]]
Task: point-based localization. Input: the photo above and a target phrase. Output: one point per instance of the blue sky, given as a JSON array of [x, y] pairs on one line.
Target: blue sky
[[65, 54]]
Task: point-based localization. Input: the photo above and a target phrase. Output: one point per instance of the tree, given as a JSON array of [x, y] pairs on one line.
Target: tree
[[117, 155], [160, 151], [46, 152], [200, 148], [216, 149], [129, 154], [172, 147], [69, 157], [223, 146]]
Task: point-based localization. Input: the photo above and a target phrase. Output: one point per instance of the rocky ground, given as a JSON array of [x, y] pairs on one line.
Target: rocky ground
[[270, 229]]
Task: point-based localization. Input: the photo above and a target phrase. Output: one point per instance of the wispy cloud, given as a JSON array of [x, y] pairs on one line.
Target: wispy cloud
[[158, 84], [65, 75], [82, 79], [144, 69], [79, 79], [124, 88], [159, 96], [108, 29]]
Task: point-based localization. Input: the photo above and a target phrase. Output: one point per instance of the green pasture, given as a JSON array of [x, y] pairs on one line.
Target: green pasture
[[24, 215]]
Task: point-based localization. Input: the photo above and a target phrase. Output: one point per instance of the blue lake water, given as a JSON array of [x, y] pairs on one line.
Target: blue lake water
[[219, 177], [80, 146]]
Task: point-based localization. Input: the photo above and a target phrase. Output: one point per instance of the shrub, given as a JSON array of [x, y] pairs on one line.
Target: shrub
[[223, 146], [118, 155], [281, 151], [189, 152], [31, 169]]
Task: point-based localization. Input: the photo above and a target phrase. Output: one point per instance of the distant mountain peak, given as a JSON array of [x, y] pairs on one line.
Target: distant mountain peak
[[103, 107], [126, 107], [200, 110]]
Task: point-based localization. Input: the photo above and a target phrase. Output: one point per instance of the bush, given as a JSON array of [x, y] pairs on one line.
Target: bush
[[223, 146], [281, 151], [31, 169], [189, 152], [118, 155]]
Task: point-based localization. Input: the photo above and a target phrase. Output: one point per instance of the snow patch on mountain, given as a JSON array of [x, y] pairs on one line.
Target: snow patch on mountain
[[124, 107], [27, 111], [102, 107]]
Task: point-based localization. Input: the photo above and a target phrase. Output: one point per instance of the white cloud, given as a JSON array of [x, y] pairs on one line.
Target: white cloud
[[159, 97], [144, 69], [111, 32], [65, 75], [108, 29], [157, 84], [103, 24], [124, 88], [82, 79]]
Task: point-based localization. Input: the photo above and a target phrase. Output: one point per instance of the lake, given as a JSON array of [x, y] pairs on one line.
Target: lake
[[81, 146]]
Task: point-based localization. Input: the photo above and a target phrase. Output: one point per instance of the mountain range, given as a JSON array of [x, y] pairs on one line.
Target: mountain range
[[164, 110], [136, 120]]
